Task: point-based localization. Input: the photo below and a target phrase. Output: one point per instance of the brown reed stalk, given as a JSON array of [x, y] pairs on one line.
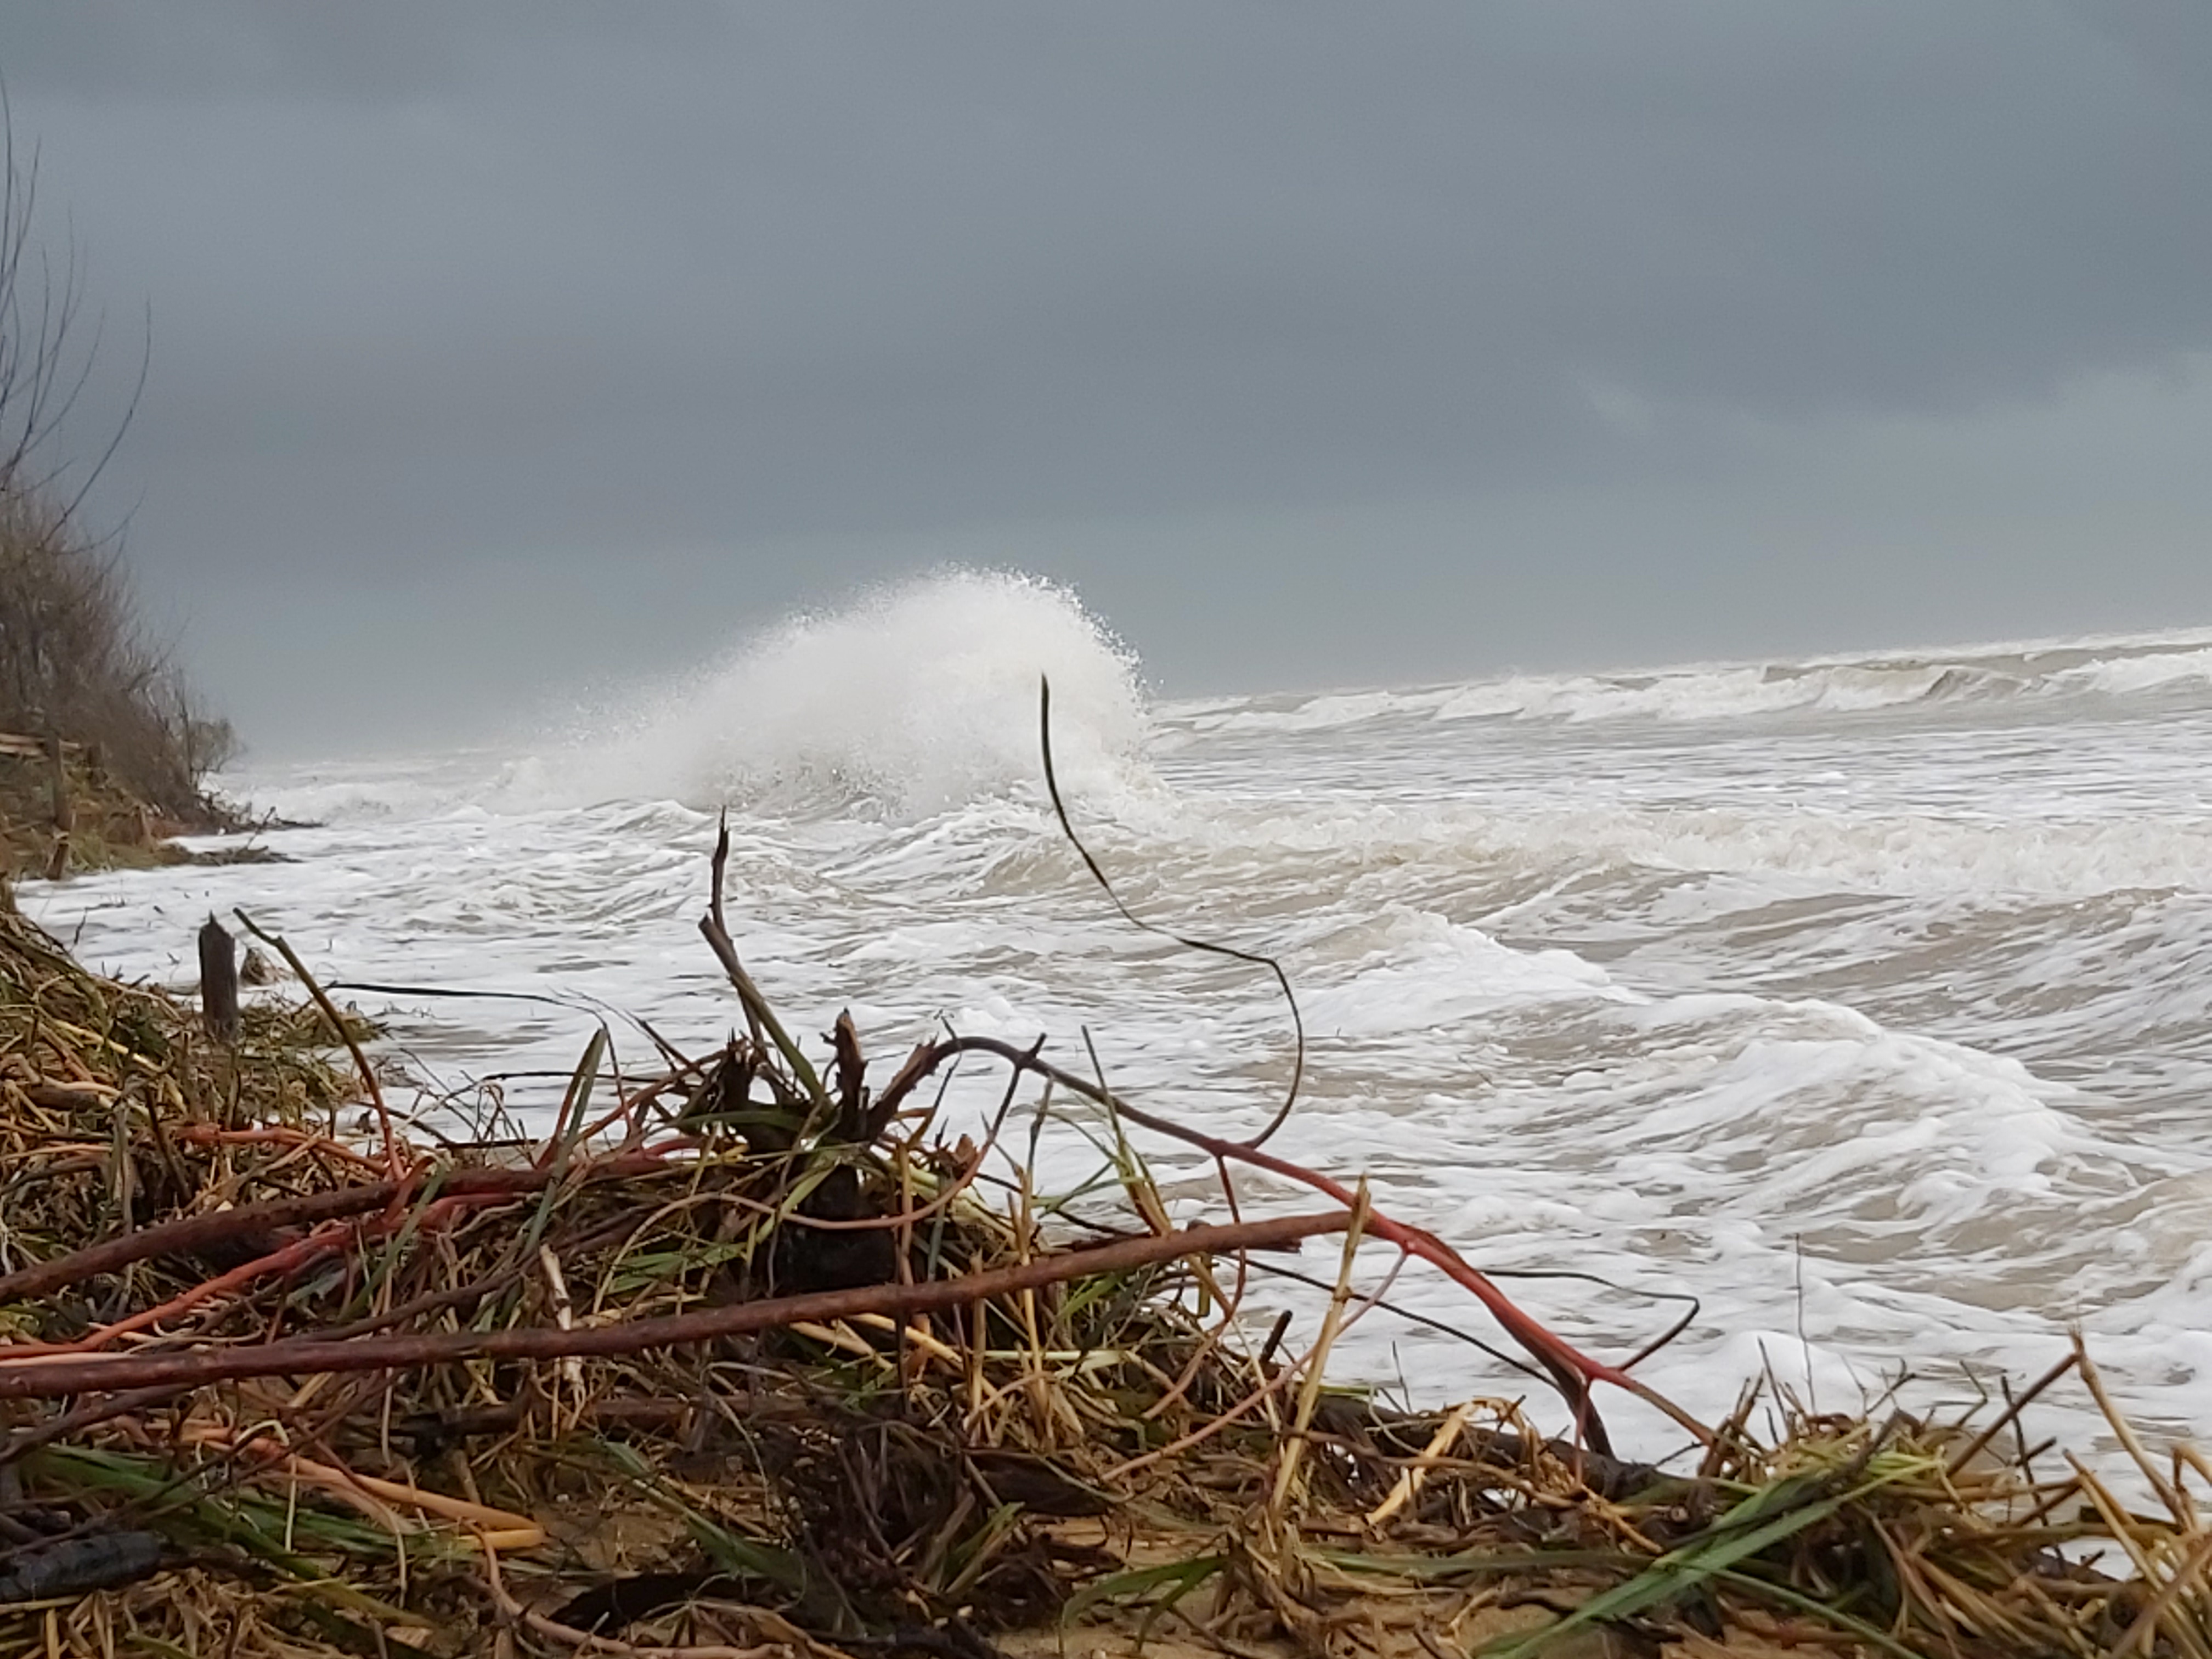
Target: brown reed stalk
[[196, 1235], [307, 1356]]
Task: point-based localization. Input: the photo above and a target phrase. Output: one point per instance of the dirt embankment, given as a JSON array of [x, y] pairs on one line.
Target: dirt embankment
[[75, 815]]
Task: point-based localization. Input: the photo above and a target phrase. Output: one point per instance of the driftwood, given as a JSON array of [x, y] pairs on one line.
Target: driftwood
[[71, 1566], [219, 1013], [17, 745], [64, 813]]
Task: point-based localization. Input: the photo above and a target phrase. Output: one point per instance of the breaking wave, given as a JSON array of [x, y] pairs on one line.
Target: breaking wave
[[911, 699], [2167, 664], [914, 698]]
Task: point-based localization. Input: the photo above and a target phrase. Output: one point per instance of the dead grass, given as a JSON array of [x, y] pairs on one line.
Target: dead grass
[[749, 1356]]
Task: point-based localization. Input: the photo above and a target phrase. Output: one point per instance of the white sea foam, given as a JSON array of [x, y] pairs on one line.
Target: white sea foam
[[2124, 675], [2112, 667], [911, 698], [1864, 998], [916, 697]]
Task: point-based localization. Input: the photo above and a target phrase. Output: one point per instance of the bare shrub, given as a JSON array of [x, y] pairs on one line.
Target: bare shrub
[[75, 658]]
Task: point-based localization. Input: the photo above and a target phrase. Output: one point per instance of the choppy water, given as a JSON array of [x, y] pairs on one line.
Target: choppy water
[[1869, 1000]]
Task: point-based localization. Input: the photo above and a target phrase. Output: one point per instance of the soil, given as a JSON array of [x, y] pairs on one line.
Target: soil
[[109, 828]]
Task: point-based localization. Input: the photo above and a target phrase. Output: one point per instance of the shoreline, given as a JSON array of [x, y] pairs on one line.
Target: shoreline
[[969, 1432]]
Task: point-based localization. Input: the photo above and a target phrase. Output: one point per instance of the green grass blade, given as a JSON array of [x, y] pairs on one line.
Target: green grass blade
[[1733, 1538], [1183, 1576]]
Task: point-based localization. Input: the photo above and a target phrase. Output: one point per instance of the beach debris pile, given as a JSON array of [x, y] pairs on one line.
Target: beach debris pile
[[755, 1354]]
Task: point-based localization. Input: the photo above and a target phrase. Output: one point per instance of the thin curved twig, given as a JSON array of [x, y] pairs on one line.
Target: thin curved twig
[[1572, 1371], [1258, 959]]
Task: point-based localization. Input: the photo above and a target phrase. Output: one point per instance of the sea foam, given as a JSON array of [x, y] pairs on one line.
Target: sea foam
[[911, 699], [2029, 672], [1864, 998]]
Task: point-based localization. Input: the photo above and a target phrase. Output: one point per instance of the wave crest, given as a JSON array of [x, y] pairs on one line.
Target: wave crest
[[2172, 665], [914, 698]]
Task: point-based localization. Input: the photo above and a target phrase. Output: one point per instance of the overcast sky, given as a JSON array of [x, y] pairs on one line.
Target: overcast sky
[[497, 349]]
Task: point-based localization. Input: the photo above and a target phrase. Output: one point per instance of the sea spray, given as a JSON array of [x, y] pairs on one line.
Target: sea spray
[[910, 700], [2031, 674]]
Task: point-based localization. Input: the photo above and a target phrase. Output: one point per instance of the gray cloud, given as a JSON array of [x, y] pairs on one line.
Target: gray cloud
[[627, 296]]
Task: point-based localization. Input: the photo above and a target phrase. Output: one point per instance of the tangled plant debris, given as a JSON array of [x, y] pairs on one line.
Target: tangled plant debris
[[754, 1355]]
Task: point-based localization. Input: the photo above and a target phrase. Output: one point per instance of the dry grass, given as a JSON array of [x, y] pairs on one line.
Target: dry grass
[[746, 1358], [109, 828]]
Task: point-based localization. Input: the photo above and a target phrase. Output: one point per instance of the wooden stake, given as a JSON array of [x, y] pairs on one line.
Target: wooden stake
[[219, 983]]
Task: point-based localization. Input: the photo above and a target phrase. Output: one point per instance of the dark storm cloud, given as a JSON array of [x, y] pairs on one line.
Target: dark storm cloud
[[575, 284]]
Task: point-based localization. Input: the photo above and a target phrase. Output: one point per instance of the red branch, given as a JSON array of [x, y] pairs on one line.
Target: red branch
[[1571, 1370], [193, 1234], [40, 1379]]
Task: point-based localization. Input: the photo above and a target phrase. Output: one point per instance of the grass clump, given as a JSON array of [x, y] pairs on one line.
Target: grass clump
[[750, 1354]]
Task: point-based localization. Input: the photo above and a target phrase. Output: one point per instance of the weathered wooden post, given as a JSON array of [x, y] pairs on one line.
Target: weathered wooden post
[[219, 982], [64, 814]]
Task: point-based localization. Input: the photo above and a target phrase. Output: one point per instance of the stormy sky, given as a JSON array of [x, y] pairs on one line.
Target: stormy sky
[[500, 352]]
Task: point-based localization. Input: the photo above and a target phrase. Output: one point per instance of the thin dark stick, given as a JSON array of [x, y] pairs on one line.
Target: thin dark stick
[[1572, 1370], [759, 1015], [2013, 1409], [1256, 958], [344, 1034]]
